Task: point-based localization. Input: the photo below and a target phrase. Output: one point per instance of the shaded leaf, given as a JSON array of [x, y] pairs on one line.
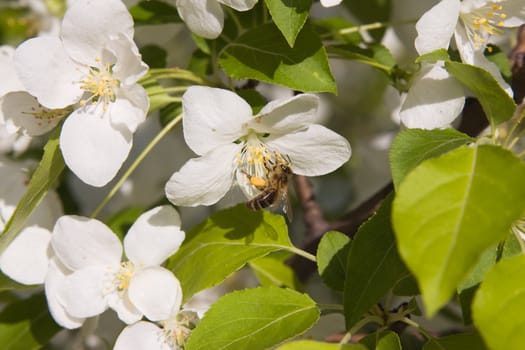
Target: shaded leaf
[[289, 16], [332, 254]]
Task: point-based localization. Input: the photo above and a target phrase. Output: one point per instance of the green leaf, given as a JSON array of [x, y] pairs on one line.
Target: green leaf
[[332, 254], [434, 56], [370, 11], [317, 345], [500, 59], [382, 341], [460, 341], [496, 103], [223, 243], [373, 265], [499, 303], [263, 54], [154, 12], [375, 55], [157, 95], [412, 146], [26, 324], [254, 319], [154, 56], [44, 177], [289, 16], [254, 98], [274, 272], [450, 209]]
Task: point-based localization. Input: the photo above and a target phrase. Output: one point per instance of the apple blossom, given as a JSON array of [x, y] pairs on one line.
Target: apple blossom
[[442, 106], [169, 334], [93, 66], [232, 143], [472, 23], [330, 3], [206, 17], [133, 288]]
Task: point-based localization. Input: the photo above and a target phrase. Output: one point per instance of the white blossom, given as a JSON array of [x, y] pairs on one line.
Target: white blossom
[[134, 287], [472, 23], [91, 70], [206, 17], [330, 3], [169, 334], [233, 144]]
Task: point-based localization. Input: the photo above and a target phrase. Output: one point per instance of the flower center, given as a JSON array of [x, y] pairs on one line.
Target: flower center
[[176, 330], [100, 84], [119, 279], [483, 22], [45, 115], [255, 164]]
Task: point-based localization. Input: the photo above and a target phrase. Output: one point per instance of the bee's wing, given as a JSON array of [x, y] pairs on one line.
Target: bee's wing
[[282, 203]]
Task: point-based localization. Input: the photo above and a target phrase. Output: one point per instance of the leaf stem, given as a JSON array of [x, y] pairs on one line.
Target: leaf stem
[[369, 26], [363, 322], [418, 327], [302, 253], [136, 163], [331, 307]]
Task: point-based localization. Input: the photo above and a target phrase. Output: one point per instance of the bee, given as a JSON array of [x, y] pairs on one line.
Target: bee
[[274, 191]]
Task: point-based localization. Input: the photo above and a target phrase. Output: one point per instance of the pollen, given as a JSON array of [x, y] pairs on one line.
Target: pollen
[[484, 22], [121, 278], [46, 116], [100, 84]]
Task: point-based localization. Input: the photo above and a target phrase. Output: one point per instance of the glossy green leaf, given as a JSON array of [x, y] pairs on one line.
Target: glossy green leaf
[[450, 209], [274, 272], [26, 324], [370, 11], [44, 177], [373, 265], [384, 340], [332, 254], [263, 54], [499, 303], [376, 55], [460, 341], [154, 12], [317, 345], [437, 55], [223, 243], [289, 16], [496, 103], [412, 146], [254, 319]]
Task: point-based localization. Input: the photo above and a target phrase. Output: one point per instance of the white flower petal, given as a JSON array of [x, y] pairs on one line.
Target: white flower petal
[[141, 336], [82, 294], [436, 26], [54, 283], [203, 17], [26, 259], [314, 151], [240, 5], [48, 73], [129, 66], [126, 311], [18, 108], [156, 292], [154, 237], [286, 115], [436, 109], [330, 3], [203, 180], [92, 148], [465, 47], [10, 81], [80, 242], [130, 108], [212, 115], [89, 24]]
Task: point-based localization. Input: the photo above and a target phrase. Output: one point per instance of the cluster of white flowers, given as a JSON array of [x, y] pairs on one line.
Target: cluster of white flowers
[[472, 24]]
